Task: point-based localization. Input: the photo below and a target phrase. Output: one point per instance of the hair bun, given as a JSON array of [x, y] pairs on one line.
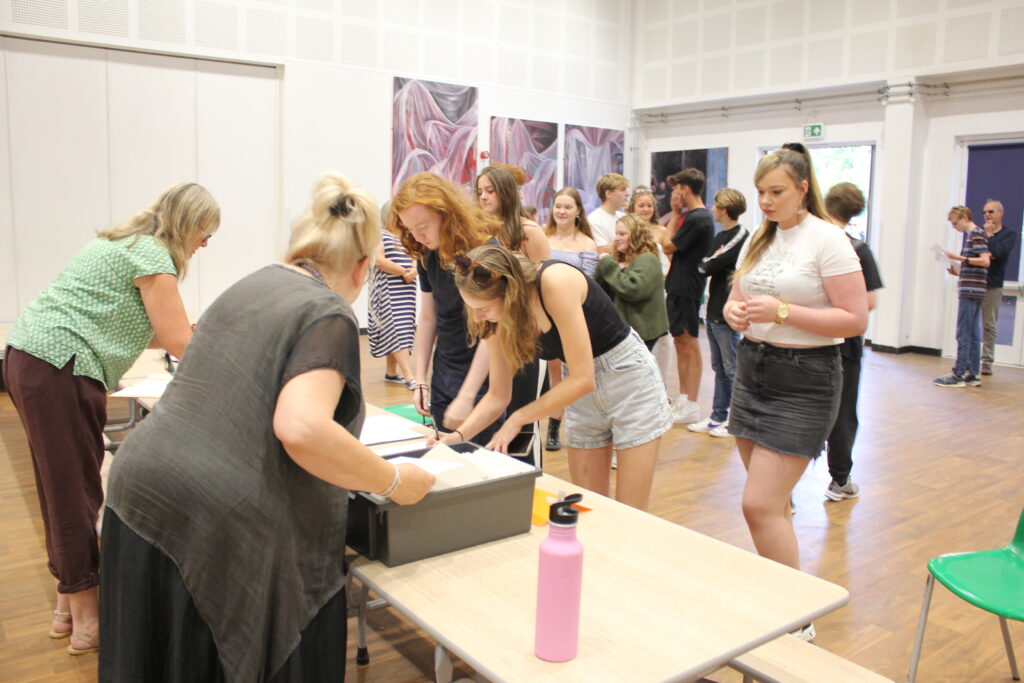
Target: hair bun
[[342, 207]]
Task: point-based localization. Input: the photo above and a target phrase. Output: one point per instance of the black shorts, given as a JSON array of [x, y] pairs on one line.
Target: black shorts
[[683, 315]]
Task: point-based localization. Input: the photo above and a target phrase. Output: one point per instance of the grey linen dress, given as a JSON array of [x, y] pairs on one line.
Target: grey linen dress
[[258, 541]]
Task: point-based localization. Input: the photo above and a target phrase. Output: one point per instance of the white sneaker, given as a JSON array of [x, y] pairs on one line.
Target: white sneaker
[[705, 425], [806, 633], [721, 430], [685, 412]]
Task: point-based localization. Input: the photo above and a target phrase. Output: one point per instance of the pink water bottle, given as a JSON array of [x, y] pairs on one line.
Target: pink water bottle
[[559, 581]]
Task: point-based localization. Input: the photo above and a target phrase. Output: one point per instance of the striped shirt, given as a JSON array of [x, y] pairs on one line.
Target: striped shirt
[[974, 279]]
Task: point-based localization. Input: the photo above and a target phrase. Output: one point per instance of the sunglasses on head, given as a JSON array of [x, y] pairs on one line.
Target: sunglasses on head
[[473, 270]]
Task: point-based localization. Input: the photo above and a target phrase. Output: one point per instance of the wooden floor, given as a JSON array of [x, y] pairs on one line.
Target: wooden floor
[[941, 470]]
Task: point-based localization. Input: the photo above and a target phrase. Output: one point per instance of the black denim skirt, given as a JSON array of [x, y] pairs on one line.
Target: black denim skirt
[[785, 400]]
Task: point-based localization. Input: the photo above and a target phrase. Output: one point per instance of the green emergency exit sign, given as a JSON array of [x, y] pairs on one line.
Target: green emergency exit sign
[[814, 131]]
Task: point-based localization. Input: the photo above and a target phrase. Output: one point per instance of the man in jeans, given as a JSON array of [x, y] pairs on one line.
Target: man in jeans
[[720, 264], [1001, 243], [974, 262]]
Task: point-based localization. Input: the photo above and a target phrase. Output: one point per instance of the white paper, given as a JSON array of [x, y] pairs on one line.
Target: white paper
[[403, 447], [386, 429], [941, 257], [147, 388], [435, 467]]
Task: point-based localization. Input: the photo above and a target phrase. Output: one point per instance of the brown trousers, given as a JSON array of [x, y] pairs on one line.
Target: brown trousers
[[63, 415]]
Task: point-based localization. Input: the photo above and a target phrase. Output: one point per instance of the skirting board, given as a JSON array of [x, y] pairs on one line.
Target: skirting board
[[923, 350]]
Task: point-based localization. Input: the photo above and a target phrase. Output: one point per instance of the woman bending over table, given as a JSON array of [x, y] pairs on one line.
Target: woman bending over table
[[611, 395], [435, 222], [70, 347], [224, 533]]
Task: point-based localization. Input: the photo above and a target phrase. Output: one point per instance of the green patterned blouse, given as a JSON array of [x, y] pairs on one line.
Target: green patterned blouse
[[92, 310]]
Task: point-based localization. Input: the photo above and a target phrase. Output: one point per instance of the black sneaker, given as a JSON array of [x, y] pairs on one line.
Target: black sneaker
[[950, 381], [972, 380], [394, 379]]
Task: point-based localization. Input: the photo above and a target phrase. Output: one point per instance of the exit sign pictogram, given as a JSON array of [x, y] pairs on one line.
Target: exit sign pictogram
[[814, 131]]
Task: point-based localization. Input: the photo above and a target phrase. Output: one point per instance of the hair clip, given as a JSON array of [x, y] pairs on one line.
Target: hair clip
[[342, 207]]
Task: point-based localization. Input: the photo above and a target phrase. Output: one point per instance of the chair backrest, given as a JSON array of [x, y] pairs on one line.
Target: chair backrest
[[1018, 538]]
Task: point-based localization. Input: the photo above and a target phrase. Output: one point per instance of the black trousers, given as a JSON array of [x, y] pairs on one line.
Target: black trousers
[[844, 432]]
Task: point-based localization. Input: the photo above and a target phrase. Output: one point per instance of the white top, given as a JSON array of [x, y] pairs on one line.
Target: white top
[[602, 224], [791, 270]]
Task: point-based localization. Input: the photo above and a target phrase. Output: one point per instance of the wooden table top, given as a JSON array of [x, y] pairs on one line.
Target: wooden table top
[[660, 602]]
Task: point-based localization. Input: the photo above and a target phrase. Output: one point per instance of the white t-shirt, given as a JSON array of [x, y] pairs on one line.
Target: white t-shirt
[[602, 224], [791, 270]]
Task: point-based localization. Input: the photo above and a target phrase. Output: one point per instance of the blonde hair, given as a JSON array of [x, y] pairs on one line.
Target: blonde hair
[[512, 278], [182, 214], [581, 222], [640, 240], [960, 212], [463, 225], [339, 229], [610, 181], [795, 160], [639, 191], [731, 201]]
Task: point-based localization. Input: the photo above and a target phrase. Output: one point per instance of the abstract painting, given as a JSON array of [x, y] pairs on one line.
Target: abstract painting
[[434, 129], [714, 163], [589, 154], [533, 147]]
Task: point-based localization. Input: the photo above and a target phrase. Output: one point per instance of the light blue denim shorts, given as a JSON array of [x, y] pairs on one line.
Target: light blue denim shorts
[[628, 406]]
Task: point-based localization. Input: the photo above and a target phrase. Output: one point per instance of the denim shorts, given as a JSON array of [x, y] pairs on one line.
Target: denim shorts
[[628, 406], [783, 399]]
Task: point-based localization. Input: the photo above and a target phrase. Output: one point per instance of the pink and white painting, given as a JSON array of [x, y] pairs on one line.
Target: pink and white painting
[[533, 147], [589, 154], [435, 129]]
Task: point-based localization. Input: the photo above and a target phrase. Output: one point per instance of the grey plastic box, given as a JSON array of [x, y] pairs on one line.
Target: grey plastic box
[[443, 521]]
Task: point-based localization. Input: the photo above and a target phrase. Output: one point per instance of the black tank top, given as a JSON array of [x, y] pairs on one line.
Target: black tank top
[[605, 325]]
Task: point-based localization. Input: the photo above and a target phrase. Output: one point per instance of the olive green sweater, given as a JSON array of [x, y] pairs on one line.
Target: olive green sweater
[[639, 293]]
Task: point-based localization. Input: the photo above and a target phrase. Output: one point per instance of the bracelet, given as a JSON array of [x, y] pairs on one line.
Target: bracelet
[[395, 483], [423, 386], [456, 431]]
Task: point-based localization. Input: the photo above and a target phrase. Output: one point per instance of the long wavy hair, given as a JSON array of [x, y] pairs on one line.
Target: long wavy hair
[[795, 160], [510, 209], [640, 191], [640, 239], [582, 224], [463, 225], [181, 215], [497, 273], [339, 228]]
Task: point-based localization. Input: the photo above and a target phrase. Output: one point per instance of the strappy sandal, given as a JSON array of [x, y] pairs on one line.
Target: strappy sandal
[[60, 618], [92, 639]]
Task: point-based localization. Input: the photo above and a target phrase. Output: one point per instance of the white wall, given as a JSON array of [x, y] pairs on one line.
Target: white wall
[[96, 134], [921, 294], [687, 51], [565, 62]]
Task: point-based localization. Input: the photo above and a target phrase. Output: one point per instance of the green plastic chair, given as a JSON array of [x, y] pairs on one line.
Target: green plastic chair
[[992, 580]]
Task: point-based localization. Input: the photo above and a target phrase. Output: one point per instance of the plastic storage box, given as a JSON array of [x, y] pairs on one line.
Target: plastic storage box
[[443, 521]]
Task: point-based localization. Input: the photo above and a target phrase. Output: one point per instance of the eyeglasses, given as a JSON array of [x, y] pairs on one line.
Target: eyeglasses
[[989, 211], [473, 270]]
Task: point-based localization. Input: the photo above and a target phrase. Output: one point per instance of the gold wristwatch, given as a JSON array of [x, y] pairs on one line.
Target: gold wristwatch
[[781, 313]]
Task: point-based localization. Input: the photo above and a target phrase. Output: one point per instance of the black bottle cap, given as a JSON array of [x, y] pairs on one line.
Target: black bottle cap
[[563, 511]]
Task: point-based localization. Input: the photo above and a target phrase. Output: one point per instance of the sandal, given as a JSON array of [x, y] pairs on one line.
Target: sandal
[[60, 618], [91, 639]]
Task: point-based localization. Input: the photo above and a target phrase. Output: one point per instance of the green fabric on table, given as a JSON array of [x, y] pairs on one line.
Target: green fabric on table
[[408, 411]]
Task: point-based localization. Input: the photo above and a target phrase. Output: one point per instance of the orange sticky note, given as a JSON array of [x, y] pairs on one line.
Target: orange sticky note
[[542, 506]]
